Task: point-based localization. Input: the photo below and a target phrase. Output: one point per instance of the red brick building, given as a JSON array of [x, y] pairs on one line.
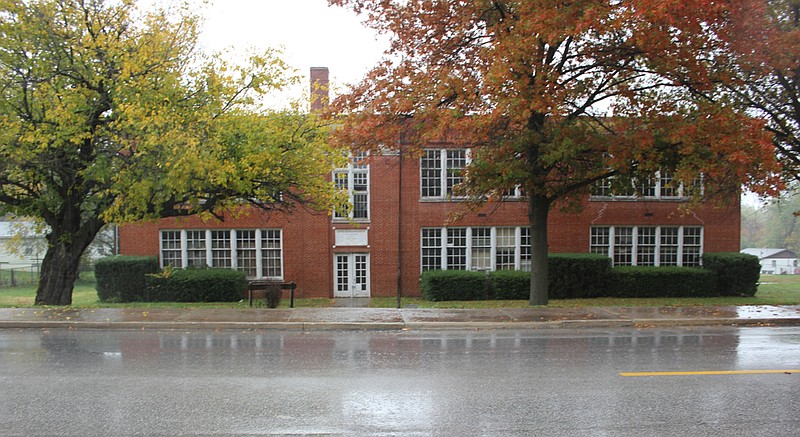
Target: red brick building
[[401, 225]]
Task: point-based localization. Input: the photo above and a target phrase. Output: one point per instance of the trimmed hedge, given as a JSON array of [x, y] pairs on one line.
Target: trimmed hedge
[[661, 282], [577, 275], [122, 278], [509, 285], [197, 285], [440, 285], [737, 273], [569, 276]]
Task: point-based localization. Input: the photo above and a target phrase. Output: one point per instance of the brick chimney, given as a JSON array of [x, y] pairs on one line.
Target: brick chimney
[[319, 89]]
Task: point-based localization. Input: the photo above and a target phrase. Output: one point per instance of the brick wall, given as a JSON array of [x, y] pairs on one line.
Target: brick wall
[[396, 209]]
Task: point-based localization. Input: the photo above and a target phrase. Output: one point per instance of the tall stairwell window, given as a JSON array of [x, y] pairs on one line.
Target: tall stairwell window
[[354, 179]]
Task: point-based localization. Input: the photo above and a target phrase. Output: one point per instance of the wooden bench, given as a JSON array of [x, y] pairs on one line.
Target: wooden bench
[[267, 285]]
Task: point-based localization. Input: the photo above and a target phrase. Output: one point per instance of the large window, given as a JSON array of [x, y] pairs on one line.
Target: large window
[[257, 252], [431, 249], [355, 181], [171, 249], [649, 245], [478, 248], [440, 171], [196, 255], [661, 186]]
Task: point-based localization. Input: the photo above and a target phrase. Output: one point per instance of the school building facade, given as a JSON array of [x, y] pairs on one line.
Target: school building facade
[[401, 224]]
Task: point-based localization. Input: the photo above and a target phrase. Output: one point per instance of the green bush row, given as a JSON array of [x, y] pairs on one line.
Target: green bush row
[[569, 276], [197, 285], [139, 279], [737, 273], [573, 276], [122, 278], [661, 282]]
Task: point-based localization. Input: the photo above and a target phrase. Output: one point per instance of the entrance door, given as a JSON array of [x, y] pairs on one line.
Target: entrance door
[[352, 275]]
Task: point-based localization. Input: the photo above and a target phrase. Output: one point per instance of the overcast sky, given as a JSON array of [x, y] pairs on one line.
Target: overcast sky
[[310, 33]]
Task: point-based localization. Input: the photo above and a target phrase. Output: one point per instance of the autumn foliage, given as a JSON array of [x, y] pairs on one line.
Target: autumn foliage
[[554, 96]]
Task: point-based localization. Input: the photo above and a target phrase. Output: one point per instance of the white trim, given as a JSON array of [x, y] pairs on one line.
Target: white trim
[[681, 244], [442, 169], [351, 275], [232, 250], [443, 246]]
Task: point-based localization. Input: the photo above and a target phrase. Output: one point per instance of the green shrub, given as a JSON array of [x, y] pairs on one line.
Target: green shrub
[[661, 282], [737, 273], [440, 285], [197, 285], [570, 276], [577, 275], [509, 285], [122, 278]]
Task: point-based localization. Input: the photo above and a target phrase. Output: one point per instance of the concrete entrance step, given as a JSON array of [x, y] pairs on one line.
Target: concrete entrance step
[[351, 302]]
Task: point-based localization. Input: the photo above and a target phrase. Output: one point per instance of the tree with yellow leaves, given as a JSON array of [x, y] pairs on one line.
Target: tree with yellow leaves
[[108, 113]]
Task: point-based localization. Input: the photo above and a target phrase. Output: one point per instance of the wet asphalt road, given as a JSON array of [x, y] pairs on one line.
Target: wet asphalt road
[[409, 383]]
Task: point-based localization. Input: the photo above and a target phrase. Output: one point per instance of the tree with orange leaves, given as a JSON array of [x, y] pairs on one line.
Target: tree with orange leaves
[[761, 72], [554, 96]]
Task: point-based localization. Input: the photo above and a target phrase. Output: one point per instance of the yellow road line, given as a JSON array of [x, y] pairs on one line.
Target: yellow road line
[[710, 372]]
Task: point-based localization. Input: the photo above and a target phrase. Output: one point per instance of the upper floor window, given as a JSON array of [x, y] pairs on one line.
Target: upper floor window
[[440, 171], [354, 179], [661, 186]]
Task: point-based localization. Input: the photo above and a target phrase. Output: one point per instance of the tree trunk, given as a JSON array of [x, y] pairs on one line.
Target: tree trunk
[[60, 267], [538, 209]]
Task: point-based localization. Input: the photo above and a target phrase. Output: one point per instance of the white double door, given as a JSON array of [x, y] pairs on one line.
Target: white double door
[[351, 273]]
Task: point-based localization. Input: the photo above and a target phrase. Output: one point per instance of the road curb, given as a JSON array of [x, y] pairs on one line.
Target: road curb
[[396, 326]]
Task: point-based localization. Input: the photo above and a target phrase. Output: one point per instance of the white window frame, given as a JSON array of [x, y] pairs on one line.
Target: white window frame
[[445, 249], [656, 188], [212, 253], [604, 244], [358, 164], [440, 178]]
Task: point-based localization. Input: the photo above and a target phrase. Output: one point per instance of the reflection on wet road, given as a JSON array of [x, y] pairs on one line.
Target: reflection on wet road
[[554, 382]]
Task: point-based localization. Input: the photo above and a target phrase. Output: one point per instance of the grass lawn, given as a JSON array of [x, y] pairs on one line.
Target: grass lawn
[[85, 296], [773, 290]]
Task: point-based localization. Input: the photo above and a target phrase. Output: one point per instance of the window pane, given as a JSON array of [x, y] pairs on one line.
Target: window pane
[[646, 246], [456, 161], [623, 246], [342, 182], [669, 247], [691, 246], [457, 249], [271, 255], [525, 249], [196, 248], [360, 160], [599, 241], [221, 249], [171, 249], [481, 249], [431, 249], [506, 249], [431, 174], [360, 205], [246, 252], [667, 185]]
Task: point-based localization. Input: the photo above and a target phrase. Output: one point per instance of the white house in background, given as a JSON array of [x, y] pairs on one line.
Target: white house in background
[[775, 261], [29, 246]]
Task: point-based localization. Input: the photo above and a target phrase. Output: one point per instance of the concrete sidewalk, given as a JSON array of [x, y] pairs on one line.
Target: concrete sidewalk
[[304, 319]]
